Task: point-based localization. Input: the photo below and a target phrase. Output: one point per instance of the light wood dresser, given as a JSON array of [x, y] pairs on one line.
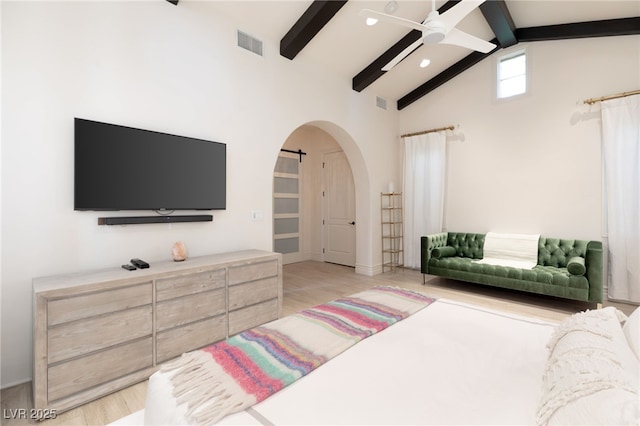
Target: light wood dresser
[[97, 332]]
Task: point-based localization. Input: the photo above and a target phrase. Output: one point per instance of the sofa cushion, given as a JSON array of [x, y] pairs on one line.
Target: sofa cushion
[[445, 251], [576, 266], [540, 274]]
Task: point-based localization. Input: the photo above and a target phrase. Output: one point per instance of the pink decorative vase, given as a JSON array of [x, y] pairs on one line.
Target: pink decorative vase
[[179, 251]]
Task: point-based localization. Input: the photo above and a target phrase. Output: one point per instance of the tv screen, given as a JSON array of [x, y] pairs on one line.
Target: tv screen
[[123, 168]]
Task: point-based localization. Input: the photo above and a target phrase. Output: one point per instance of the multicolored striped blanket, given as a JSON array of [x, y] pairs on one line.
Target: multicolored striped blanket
[[232, 375]]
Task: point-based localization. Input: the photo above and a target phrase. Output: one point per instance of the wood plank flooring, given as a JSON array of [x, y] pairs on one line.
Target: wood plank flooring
[[307, 284]]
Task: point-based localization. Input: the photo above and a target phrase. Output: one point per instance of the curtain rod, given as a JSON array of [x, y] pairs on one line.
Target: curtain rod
[[424, 132], [606, 98]]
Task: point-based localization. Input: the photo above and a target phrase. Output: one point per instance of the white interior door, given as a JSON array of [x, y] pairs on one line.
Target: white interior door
[[339, 206]]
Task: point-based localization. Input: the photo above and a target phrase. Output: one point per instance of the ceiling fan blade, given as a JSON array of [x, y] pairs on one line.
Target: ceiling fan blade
[[460, 38], [367, 13], [406, 52], [451, 17]]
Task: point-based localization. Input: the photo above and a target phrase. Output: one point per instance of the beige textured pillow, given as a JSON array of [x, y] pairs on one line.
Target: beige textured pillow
[[632, 332], [591, 376]]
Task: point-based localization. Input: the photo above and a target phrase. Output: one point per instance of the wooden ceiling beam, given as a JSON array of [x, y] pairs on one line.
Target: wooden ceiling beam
[[373, 71], [308, 25], [497, 15], [604, 28]]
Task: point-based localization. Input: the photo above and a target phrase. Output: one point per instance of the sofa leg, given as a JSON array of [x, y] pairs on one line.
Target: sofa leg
[[424, 280]]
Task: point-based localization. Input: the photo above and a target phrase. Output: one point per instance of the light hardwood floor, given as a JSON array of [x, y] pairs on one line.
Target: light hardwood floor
[[307, 284]]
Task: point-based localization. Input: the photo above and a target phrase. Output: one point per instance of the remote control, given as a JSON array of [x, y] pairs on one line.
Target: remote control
[[139, 263], [129, 267]]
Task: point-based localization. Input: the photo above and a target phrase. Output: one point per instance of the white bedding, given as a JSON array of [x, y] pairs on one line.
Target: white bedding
[[450, 363]]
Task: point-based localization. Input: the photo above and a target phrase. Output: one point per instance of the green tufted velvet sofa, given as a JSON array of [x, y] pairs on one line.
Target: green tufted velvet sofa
[[570, 269]]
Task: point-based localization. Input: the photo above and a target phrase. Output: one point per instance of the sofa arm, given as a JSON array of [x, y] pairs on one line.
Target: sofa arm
[[595, 272], [427, 244]]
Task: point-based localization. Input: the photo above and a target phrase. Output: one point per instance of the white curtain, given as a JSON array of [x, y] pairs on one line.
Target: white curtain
[[424, 186], [621, 154]]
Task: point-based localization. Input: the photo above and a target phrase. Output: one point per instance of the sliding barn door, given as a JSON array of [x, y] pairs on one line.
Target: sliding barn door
[[287, 187]]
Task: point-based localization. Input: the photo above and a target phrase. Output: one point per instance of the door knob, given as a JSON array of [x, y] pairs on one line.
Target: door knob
[[352, 223]]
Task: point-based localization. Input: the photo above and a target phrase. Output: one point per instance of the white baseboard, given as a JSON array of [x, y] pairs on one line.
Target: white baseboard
[[369, 270], [317, 257], [295, 257]]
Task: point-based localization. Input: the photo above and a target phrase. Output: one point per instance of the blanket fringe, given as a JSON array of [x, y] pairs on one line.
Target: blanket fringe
[[208, 392]]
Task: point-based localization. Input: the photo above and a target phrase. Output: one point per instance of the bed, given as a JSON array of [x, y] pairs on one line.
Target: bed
[[453, 363]]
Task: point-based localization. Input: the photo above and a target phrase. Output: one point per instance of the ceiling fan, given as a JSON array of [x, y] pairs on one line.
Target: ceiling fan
[[435, 29]]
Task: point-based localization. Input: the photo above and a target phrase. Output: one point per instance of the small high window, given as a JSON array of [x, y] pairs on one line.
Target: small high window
[[512, 74]]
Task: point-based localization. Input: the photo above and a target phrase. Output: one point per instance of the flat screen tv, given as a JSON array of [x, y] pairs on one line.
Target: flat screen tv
[[123, 168]]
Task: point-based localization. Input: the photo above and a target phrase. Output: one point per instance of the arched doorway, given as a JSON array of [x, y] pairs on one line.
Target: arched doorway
[[299, 232]]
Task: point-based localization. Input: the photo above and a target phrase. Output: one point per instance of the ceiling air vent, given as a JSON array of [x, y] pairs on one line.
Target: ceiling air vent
[[252, 44], [381, 103]]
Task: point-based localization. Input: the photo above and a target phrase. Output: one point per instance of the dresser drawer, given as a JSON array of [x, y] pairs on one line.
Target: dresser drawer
[[256, 271], [169, 288], [252, 316], [82, 373], [93, 304], [78, 338], [184, 310], [175, 342], [252, 292]]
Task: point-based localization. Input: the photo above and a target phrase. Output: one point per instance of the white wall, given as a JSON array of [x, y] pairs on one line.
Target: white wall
[[172, 69], [533, 164]]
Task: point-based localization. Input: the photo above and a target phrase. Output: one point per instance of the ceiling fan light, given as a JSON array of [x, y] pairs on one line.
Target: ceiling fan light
[[432, 37], [425, 63], [371, 21]]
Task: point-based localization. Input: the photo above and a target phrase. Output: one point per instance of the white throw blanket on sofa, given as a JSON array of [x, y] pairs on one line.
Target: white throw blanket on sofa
[[514, 250]]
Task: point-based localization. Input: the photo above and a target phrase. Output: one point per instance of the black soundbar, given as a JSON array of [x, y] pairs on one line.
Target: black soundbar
[[135, 220]]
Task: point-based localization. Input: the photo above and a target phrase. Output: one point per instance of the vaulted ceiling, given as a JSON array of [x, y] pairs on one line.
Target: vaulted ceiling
[[332, 35]]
